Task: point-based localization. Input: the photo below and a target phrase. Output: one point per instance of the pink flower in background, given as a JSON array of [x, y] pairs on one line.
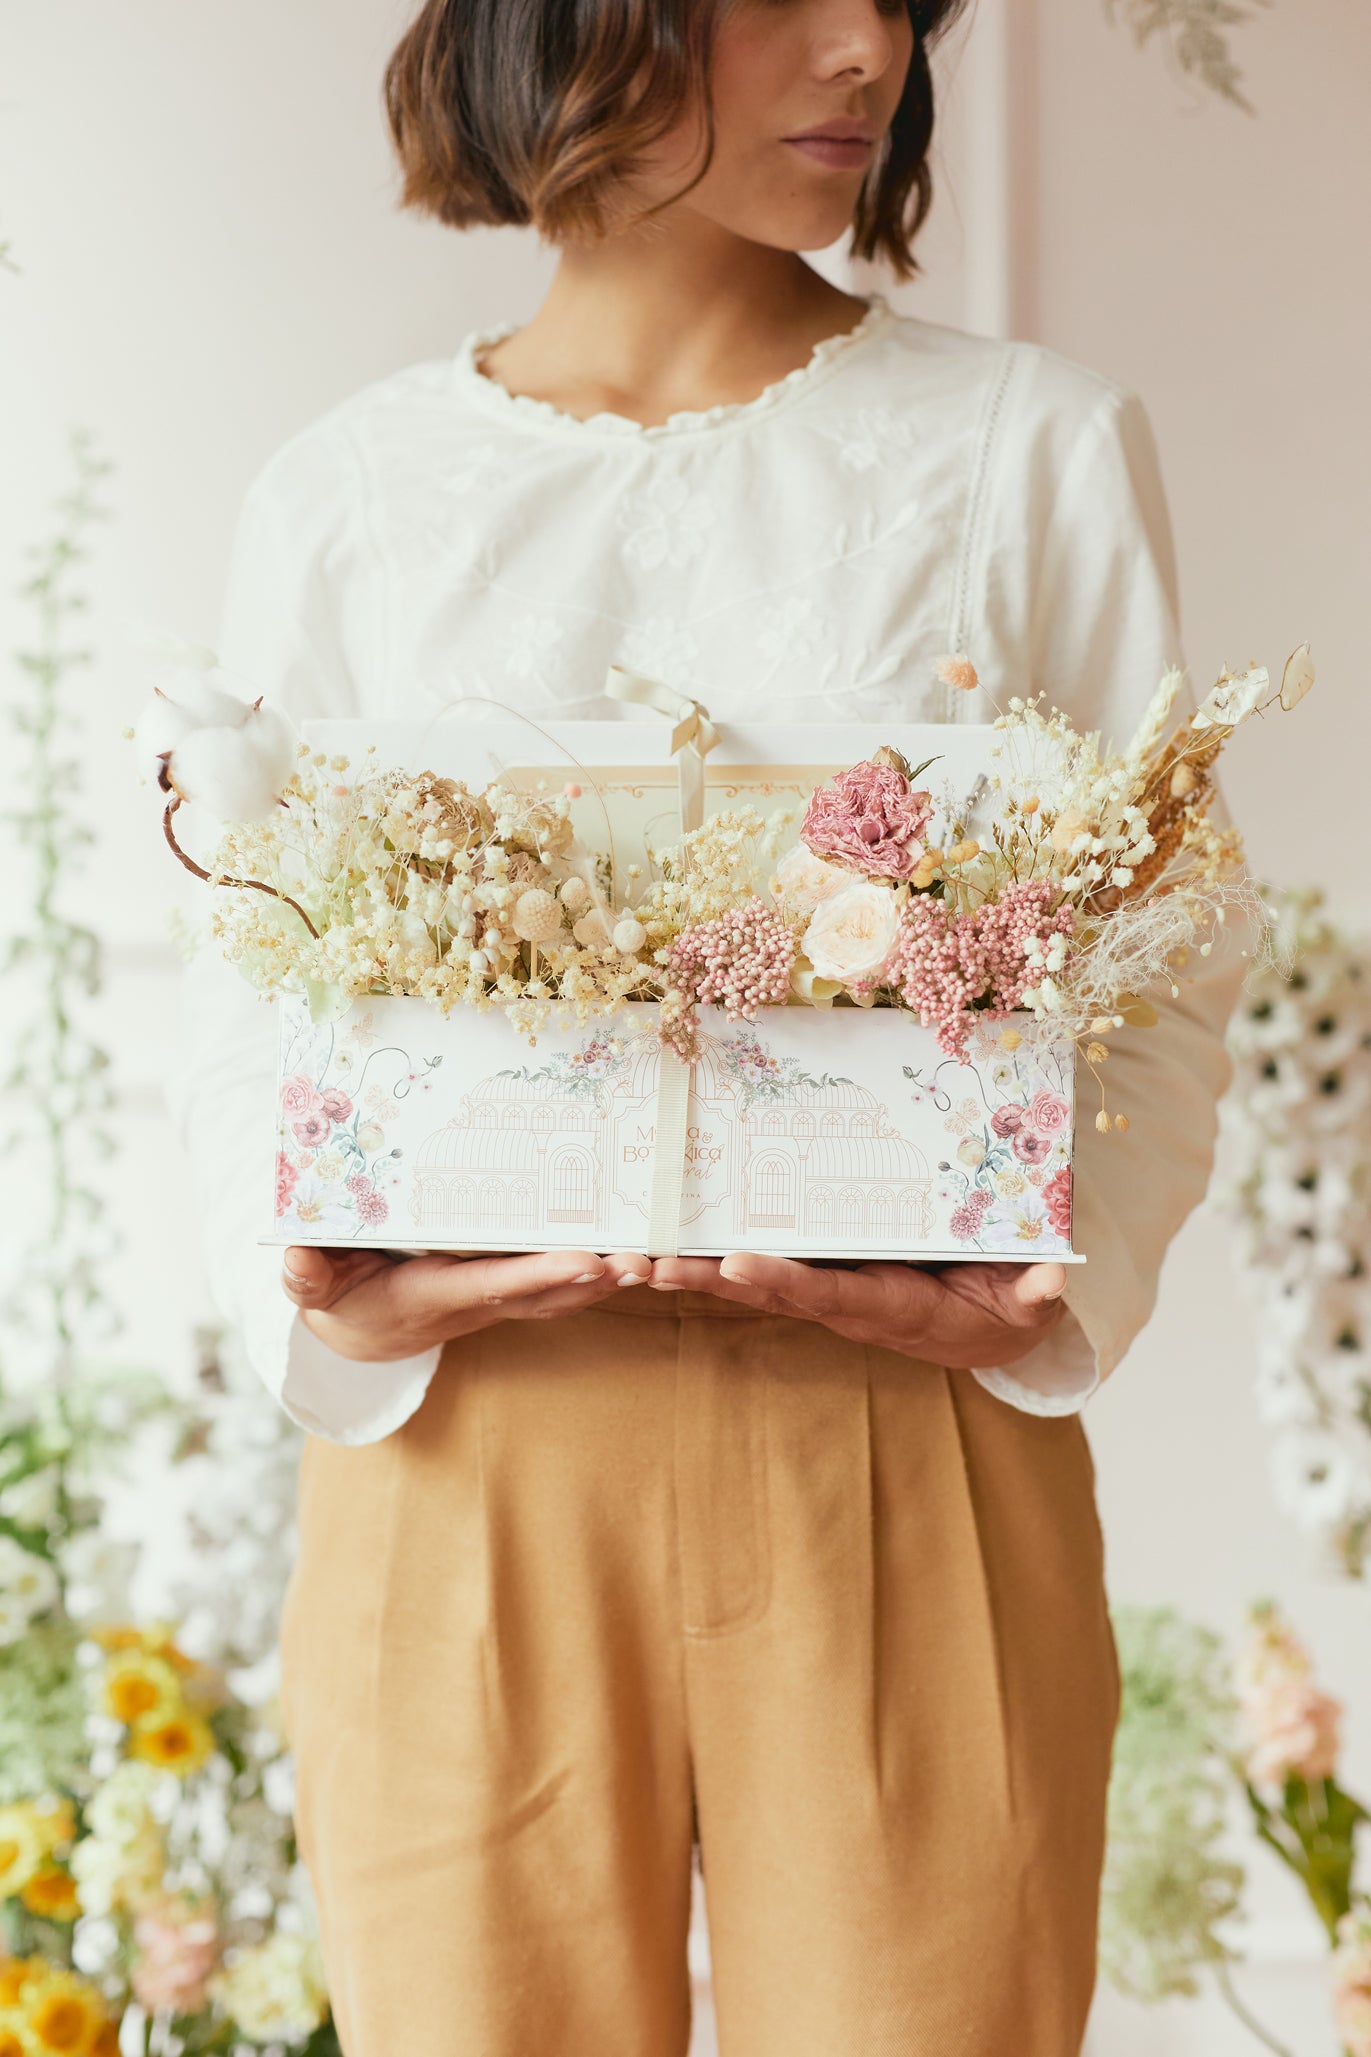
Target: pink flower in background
[[298, 1095], [335, 1105], [178, 1947], [1029, 1147], [1291, 1729], [1352, 1982], [869, 820], [286, 1179], [313, 1129], [1007, 1121], [1048, 1113], [1057, 1198]]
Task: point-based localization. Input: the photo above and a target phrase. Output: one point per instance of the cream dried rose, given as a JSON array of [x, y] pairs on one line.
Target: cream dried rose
[[803, 881], [850, 937]]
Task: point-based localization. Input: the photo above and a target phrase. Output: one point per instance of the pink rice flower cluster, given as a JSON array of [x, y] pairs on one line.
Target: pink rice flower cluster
[[740, 961], [944, 966], [178, 1945], [869, 820]]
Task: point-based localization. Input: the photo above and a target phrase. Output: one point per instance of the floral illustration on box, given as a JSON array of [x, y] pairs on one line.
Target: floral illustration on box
[[1007, 1186], [760, 1076], [579, 1072], [334, 1174]]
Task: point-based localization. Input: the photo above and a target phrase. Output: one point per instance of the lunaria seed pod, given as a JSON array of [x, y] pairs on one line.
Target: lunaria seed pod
[[537, 917]]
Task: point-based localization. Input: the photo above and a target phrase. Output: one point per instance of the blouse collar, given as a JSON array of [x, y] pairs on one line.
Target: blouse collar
[[484, 391]]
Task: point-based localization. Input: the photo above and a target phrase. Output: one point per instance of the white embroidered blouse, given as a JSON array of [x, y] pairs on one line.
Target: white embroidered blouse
[[910, 491]]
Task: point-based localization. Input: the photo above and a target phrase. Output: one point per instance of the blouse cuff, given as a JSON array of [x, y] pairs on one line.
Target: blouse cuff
[[335, 1397], [1057, 1377]]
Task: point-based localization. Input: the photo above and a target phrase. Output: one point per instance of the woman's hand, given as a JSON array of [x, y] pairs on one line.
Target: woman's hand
[[965, 1315], [374, 1306]]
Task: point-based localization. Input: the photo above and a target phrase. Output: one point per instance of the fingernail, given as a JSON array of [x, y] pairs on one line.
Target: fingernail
[[736, 1276], [662, 1285], [297, 1278], [630, 1278], [587, 1278]]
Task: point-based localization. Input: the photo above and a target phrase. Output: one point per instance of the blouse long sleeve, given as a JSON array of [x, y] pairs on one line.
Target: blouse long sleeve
[[1093, 604], [290, 617]]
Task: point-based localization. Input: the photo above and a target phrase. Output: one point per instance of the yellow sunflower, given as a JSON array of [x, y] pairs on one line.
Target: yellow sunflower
[[65, 2015], [52, 1894], [180, 1743], [22, 1848], [10, 2045], [138, 1687]]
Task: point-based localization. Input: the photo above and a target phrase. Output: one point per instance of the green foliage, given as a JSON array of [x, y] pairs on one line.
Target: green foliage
[[1168, 1884], [1194, 32], [56, 1089]]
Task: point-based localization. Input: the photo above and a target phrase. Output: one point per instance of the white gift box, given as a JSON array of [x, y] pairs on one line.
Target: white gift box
[[840, 1132]]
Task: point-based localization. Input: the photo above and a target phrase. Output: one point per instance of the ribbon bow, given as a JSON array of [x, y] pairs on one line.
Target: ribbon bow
[[692, 738]]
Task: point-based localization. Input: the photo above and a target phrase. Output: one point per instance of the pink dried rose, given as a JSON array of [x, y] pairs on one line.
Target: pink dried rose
[[178, 1945], [869, 820], [298, 1095], [335, 1104], [1048, 1113]]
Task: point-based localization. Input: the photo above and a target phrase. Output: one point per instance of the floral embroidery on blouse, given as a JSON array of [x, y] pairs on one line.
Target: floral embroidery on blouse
[[667, 524], [660, 646]]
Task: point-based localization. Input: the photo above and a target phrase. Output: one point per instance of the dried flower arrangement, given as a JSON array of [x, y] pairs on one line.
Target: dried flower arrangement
[[1067, 883]]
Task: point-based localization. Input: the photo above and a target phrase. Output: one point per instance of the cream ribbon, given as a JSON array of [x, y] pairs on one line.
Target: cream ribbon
[[668, 1155], [692, 738]]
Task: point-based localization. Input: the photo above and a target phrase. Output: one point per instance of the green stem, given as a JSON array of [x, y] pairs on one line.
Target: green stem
[[1249, 2021]]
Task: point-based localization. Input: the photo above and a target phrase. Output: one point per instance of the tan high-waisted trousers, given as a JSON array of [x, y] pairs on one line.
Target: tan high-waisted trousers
[[671, 1569]]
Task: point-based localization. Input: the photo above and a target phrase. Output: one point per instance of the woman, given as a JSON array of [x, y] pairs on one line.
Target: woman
[[802, 1563]]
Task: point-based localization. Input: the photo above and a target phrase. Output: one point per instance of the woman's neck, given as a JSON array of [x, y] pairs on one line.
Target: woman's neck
[[648, 324]]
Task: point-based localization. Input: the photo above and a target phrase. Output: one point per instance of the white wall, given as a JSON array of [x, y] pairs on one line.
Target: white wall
[[202, 202]]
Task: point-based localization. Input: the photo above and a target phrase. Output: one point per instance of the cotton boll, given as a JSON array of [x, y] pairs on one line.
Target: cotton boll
[[232, 757]]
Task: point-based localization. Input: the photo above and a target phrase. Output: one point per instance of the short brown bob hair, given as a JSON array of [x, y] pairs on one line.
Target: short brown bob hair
[[534, 111]]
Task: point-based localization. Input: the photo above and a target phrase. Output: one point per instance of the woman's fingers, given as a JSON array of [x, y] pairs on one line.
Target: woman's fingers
[[374, 1306]]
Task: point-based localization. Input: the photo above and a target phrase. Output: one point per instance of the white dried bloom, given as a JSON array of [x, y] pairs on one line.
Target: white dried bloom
[[202, 741], [537, 916], [629, 935]]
